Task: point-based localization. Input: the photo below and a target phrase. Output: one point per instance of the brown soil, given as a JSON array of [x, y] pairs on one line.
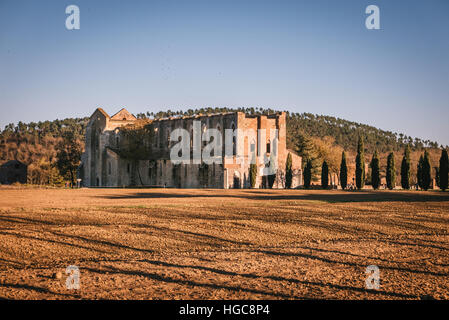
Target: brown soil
[[223, 244]]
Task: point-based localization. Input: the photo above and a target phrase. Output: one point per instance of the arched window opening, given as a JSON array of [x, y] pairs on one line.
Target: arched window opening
[[203, 133], [155, 136]]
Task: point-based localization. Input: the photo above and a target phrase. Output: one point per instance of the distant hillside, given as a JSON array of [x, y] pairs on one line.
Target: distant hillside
[[346, 133], [35, 143]]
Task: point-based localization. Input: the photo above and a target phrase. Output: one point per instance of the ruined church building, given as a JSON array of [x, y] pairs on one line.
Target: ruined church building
[[107, 162]]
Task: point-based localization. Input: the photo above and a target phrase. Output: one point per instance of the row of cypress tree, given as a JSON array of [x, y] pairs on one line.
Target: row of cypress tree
[[423, 171]]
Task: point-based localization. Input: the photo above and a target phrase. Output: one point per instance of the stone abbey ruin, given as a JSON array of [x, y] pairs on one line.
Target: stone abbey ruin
[[122, 151]]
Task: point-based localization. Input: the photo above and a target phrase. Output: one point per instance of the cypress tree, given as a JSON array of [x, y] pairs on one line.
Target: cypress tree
[[288, 172], [419, 172], [360, 165], [343, 171], [426, 174], [308, 174], [391, 172], [252, 174], [271, 178], [443, 171], [375, 171], [405, 169], [437, 176], [324, 175]]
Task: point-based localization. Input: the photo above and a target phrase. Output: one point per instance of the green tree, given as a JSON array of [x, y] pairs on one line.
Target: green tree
[[307, 150], [343, 171], [437, 176], [419, 172], [391, 172], [252, 174], [375, 171], [443, 170], [324, 175], [360, 164], [426, 174], [405, 169], [307, 174], [288, 172], [271, 178], [69, 156]]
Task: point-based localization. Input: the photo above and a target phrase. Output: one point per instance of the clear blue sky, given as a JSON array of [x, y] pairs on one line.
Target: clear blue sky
[[303, 56]]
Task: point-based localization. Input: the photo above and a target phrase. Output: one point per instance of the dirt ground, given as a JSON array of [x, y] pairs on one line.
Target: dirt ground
[[223, 244]]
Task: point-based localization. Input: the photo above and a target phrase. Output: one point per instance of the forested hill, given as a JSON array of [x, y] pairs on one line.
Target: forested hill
[[34, 141], [346, 133], [37, 144]]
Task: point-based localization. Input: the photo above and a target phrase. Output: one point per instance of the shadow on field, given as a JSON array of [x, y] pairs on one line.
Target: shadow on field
[[352, 264], [280, 279], [34, 288], [48, 241], [329, 196], [186, 282], [167, 279]]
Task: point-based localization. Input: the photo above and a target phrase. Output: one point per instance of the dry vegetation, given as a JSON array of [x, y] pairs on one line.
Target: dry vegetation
[[223, 244]]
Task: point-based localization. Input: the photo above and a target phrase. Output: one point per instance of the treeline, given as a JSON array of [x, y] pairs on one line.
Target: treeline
[[47, 128], [45, 148]]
